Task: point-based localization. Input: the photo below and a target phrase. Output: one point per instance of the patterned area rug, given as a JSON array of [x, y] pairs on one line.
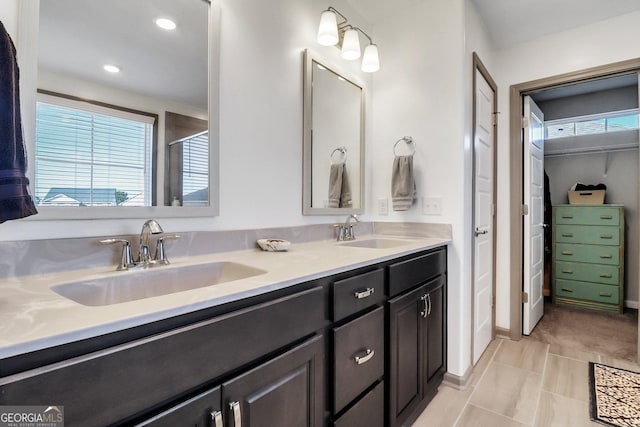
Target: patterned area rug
[[614, 395]]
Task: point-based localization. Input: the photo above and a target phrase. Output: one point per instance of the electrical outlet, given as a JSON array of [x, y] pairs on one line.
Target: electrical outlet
[[383, 206], [432, 205]]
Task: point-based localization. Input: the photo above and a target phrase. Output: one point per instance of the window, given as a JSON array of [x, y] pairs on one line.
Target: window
[[194, 154], [594, 124], [90, 155]]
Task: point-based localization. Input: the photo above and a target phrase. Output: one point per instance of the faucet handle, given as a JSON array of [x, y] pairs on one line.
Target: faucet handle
[[160, 256], [126, 259]]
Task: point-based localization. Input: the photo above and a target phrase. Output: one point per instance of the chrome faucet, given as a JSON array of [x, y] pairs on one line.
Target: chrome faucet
[[345, 231], [144, 251]]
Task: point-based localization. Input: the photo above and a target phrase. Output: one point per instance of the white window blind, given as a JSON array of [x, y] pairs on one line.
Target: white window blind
[[195, 170], [89, 155]]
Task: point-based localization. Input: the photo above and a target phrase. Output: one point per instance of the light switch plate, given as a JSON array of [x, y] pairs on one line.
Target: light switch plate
[[383, 206], [432, 205]]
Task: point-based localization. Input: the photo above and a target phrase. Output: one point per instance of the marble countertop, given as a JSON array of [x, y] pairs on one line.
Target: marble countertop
[[34, 317]]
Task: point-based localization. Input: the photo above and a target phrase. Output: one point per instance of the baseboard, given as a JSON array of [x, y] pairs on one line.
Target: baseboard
[[631, 304], [457, 382], [503, 333]]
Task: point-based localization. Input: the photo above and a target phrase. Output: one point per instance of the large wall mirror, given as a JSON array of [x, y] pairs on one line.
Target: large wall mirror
[[333, 140], [136, 142]]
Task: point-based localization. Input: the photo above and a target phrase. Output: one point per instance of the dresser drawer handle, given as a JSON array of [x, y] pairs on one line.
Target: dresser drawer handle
[[567, 290], [606, 236], [216, 417], [567, 234], [567, 216], [606, 217], [363, 294], [605, 294], [567, 271], [606, 275], [364, 359], [608, 256], [567, 253]]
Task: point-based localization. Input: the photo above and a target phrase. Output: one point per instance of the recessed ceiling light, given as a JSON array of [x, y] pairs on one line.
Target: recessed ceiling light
[[111, 68], [166, 24]]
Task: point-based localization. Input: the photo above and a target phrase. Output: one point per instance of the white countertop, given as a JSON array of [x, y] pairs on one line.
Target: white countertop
[[34, 317]]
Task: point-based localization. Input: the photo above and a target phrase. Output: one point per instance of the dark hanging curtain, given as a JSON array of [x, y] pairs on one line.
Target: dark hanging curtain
[[15, 200]]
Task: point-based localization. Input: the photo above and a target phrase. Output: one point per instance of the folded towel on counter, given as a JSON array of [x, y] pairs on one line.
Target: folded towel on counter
[[339, 188], [403, 186], [15, 200]]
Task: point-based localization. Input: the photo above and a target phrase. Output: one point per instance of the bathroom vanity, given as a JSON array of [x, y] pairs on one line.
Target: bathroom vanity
[[363, 345]]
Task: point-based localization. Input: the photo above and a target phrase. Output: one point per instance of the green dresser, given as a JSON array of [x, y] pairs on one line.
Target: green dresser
[[588, 256]]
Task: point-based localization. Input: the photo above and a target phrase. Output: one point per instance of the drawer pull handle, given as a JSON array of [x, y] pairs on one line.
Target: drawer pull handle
[[606, 236], [363, 294], [608, 256], [364, 359], [606, 275], [237, 416], [424, 313], [567, 234], [567, 290], [605, 294], [606, 217], [216, 417], [567, 216], [567, 253], [567, 271]]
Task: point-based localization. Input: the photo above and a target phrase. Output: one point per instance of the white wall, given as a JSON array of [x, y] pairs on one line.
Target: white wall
[[601, 43]]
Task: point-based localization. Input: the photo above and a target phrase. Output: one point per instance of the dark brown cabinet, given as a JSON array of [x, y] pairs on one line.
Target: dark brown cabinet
[[417, 349]]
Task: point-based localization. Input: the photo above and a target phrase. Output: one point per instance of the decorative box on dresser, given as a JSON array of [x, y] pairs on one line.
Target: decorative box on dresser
[[588, 256]]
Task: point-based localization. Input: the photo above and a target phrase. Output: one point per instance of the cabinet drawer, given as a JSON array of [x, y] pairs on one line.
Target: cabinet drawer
[[587, 215], [595, 273], [593, 235], [412, 272], [195, 412], [594, 254], [358, 357], [587, 291], [368, 412], [357, 293]]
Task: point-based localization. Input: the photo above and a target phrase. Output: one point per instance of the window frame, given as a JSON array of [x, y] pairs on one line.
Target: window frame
[[589, 117]]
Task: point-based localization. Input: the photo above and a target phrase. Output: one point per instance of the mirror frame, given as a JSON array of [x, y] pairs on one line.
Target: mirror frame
[[307, 208], [28, 18]]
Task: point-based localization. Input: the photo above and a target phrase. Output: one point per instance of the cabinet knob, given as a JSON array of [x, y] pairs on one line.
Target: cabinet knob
[[606, 236], [606, 275], [567, 234], [605, 294], [606, 217], [567, 271], [567, 290], [364, 359], [608, 256], [567, 253]]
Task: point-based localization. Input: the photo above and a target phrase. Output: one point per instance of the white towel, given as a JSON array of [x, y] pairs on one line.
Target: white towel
[[403, 186], [339, 188]]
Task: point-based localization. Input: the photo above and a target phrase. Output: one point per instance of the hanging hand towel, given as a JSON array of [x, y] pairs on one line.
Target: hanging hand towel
[[345, 191], [15, 200], [339, 188], [403, 187]]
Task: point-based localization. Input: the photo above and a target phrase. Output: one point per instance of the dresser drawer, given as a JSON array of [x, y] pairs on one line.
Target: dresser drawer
[[415, 271], [594, 254], [358, 357], [594, 235], [357, 293], [584, 272], [587, 215], [368, 412], [587, 291]]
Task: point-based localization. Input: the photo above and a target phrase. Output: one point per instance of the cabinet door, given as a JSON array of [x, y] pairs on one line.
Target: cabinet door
[[436, 339], [201, 411], [406, 332], [287, 391]]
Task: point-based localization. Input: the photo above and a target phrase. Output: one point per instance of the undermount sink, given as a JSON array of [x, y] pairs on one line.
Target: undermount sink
[[376, 243], [134, 285]]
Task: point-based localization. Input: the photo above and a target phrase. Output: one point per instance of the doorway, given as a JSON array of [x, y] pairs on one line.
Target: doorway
[[516, 172]]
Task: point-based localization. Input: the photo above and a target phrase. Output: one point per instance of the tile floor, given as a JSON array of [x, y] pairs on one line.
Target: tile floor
[[520, 383]]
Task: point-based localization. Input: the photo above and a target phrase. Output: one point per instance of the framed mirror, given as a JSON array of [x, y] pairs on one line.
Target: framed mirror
[[138, 142], [333, 168]]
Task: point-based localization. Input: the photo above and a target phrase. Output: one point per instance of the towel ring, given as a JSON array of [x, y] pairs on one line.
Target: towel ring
[[342, 150], [409, 141]]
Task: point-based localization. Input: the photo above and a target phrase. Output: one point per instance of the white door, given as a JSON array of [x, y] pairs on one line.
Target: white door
[[533, 263], [483, 146]]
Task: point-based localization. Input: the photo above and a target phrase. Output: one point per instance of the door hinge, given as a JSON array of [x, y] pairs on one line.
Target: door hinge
[[494, 118], [525, 297], [493, 209], [525, 122], [493, 301], [524, 210]]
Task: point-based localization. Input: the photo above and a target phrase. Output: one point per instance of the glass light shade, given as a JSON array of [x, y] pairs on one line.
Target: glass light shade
[[370, 59], [328, 29], [351, 45]]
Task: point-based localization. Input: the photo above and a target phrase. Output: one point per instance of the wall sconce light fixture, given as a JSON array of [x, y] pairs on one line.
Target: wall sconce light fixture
[[345, 36]]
